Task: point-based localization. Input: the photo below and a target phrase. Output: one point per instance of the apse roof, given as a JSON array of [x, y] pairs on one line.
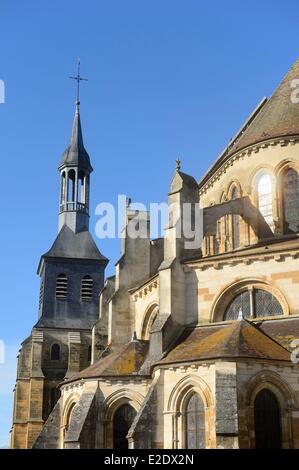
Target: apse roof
[[273, 118], [239, 339], [119, 360]]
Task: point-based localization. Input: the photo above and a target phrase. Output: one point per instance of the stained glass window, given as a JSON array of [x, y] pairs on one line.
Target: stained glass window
[[240, 302], [265, 304], [253, 303], [291, 200], [195, 423], [265, 199]]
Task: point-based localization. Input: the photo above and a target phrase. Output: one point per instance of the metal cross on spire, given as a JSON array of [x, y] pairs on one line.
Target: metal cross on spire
[[178, 164], [78, 78]]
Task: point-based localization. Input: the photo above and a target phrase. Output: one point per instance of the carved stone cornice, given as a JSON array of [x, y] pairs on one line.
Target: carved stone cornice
[[146, 288], [248, 259], [241, 155]]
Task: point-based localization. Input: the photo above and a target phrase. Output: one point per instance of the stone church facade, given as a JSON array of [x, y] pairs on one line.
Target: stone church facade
[[181, 348]]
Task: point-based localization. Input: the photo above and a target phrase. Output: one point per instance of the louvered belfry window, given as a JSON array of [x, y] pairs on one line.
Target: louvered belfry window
[[61, 286], [86, 288]]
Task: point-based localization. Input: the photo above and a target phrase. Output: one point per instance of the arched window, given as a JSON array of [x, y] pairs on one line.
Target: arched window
[[62, 188], [71, 189], [61, 286], [267, 419], [195, 423], [122, 421], [265, 199], [235, 223], [81, 187], [67, 419], [253, 303], [86, 288], [148, 322], [290, 187], [55, 352], [240, 303]]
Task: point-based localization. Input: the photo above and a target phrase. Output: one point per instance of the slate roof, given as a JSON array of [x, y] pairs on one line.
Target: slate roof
[[74, 245], [75, 154], [239, 339], [125, 360]]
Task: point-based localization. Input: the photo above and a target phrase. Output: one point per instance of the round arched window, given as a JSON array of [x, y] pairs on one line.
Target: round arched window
[[265, 198], [291, 201], [55, 352], [253, 303]]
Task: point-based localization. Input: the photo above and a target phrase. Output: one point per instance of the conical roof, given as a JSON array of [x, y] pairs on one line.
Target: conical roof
[[279, 117], [75, 154]]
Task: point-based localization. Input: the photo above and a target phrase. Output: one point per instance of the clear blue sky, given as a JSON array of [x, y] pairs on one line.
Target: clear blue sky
[[166, 78]]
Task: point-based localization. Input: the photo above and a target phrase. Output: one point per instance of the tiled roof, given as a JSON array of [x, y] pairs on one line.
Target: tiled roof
[[266, 340], [283, 331], [240, 339], [119, 361]]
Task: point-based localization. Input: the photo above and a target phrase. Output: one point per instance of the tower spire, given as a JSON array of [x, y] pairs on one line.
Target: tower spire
[[75, 169]]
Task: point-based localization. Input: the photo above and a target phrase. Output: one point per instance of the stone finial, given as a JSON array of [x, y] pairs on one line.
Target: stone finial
[[240, 315], [178, 164], [134, 336]]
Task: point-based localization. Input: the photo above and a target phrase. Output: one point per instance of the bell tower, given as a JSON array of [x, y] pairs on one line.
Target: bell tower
[[72, 275], [75, 169]]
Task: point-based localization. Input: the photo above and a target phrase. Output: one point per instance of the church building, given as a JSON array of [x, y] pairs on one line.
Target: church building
[[183, 348]]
